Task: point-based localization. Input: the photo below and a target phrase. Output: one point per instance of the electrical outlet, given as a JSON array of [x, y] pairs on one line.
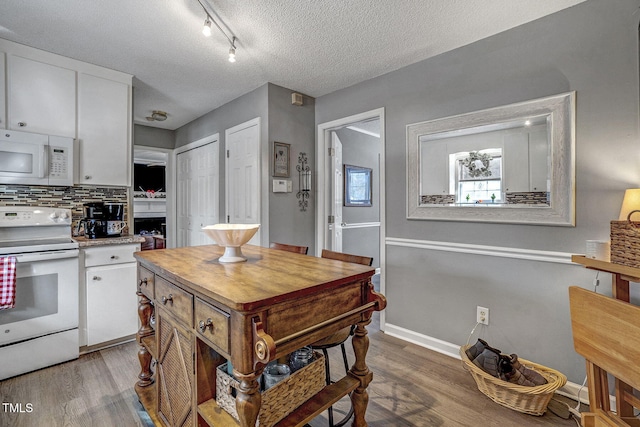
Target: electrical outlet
[[482, 315]]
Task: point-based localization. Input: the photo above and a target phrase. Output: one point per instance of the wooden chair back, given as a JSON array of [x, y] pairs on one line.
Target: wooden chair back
[[290, 248], [606, 332], [340, 256], [341, 336]]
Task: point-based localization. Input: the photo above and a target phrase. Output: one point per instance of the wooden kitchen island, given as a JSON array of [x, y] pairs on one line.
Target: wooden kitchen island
[[197, 313]]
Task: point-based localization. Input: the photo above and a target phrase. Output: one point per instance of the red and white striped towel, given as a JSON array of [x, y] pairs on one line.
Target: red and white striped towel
[[7, 282]]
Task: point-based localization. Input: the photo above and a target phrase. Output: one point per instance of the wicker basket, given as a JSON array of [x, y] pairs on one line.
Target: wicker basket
[[625, 242], [281, 399], [530, 400]]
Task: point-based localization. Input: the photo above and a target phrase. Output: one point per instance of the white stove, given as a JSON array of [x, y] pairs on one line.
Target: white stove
[[42, 329]]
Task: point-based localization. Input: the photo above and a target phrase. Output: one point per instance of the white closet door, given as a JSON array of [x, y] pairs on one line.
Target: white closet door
[[243, 175], [197, 193]]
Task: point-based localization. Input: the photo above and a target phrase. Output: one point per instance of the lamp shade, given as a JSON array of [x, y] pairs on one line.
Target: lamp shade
[[631, 202]]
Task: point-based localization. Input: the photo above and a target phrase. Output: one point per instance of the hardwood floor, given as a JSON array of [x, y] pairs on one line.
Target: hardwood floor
[[97, 390]]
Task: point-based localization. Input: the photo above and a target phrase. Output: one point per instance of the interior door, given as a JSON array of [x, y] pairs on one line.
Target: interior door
[[243, 175], [335, 229], [197, 195]]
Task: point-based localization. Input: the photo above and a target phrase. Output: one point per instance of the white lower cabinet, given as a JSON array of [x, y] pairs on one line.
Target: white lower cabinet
[[110, 294]]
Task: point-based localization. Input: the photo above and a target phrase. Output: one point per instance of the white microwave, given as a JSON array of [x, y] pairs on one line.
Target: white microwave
[[35, 159]]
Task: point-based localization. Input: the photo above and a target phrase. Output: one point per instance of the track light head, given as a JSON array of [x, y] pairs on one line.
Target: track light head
[[206, 29], [232, 54]]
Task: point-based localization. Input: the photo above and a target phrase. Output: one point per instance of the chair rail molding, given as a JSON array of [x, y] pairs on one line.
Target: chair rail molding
[[497, 251]]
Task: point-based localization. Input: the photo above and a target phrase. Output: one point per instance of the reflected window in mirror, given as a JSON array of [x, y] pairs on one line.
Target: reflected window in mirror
[[477, 176]]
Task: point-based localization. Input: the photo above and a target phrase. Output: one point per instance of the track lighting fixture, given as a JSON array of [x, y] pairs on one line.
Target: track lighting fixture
[[206, 30]]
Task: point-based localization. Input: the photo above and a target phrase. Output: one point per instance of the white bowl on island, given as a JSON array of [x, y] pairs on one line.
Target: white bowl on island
[[232, 237]]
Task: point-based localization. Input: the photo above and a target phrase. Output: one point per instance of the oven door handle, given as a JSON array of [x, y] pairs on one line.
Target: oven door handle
[[46, 256]]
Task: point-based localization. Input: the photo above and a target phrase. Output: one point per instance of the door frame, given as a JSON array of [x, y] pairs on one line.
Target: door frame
[[169, 179], [323, 184], [172, 207]]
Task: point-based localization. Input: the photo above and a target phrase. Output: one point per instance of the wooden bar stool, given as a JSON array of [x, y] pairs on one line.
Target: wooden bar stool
[[338, 338], [289, 248]]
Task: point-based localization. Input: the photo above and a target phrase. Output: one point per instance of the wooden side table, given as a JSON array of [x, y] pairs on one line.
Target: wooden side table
[[622, 275]]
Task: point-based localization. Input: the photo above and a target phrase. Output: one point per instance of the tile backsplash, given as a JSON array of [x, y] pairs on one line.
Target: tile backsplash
[[62, 197]]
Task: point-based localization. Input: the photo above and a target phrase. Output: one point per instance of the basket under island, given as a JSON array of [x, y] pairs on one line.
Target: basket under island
[[197, 313]]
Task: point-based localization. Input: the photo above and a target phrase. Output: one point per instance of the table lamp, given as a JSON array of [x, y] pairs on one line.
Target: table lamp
[[630, 203]]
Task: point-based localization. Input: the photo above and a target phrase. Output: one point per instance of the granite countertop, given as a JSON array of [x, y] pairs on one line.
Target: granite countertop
[[83, 242]]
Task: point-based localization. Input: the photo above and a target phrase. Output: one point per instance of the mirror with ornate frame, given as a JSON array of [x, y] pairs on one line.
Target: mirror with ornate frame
[[512, 164]]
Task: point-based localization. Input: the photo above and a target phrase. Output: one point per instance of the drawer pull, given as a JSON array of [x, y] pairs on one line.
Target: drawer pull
[[114, 256], [143, 282], [96, 278], [165, 300], [204, 325]]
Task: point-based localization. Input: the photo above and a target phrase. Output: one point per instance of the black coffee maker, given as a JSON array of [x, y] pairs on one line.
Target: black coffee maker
[[94, 221], [114, 214]]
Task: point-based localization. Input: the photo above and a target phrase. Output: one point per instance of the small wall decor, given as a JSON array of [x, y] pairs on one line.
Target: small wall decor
[[281, 162], [478, 164], [304, 181], [357, 186]]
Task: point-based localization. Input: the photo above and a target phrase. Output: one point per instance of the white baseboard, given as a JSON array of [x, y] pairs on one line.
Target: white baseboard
[[570, 389], [431, 343]]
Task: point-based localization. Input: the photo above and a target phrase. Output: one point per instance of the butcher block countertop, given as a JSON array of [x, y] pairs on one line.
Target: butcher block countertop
[[83, 242], [267, 277]]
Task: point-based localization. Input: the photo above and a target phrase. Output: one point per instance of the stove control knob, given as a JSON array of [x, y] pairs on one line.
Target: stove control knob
[[63, 215], [54, 216]]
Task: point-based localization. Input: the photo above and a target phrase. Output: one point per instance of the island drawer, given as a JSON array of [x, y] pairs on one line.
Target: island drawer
[[212, 324], [146, 282], [112, 254], [178, 302]]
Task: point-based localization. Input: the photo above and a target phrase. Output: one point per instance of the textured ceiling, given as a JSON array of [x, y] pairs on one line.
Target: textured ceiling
[[311, 46]]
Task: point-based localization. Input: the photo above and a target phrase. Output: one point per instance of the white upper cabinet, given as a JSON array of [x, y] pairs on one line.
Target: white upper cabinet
[[55, 95], [434, 160], [104, 133], [539, 160], [41, 97], [515, 163]]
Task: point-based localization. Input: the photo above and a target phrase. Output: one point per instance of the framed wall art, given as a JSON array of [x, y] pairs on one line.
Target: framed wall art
[[281, 159], [357, 186]]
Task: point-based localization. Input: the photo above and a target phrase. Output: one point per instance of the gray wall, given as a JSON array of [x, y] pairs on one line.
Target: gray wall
[[591, 48], [244, 108], [153, 137], [362, 150], [293, 125], [280, 121]]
